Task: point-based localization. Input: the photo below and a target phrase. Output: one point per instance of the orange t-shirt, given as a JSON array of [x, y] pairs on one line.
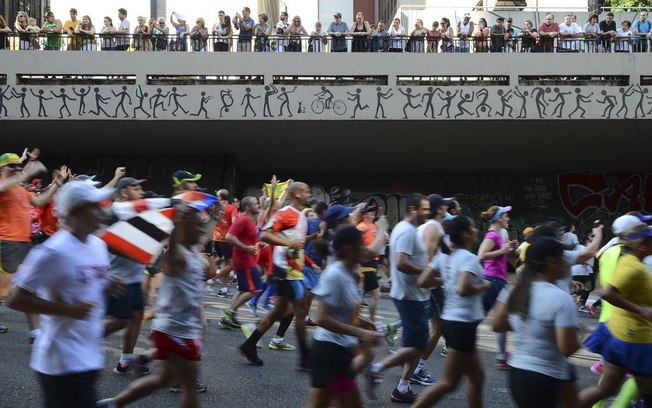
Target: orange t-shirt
[[16, 215], [222, 227], [369, 232]]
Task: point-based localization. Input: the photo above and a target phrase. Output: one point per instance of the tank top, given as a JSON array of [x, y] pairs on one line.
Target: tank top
[[465, 29], [362, 30], [180, 299]]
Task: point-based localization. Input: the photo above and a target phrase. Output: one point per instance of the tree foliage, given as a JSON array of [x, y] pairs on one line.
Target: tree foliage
[[625, 5]]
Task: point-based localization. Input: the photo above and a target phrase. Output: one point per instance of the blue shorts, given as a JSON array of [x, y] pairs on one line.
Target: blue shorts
[[291, 289], [310, 277], [249, 280], [414, 315], [491, 295], [125, 306]]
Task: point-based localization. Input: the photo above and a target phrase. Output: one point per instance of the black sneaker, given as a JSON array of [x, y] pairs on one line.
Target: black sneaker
[[251, 354], [121, 369], [139, 367], [176, 388], [407, 397]]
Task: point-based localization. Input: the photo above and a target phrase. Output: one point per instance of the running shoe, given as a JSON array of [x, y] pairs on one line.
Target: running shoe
[[253, 307], [592, 310], [444, 351], [224, 324], [423, 377], [281, 345], [176, 388], [583, 309], [224, 293], [364, 304], [596, 368], [121, 369], [372, 381], [247, 329], [501, 363], [106, 403], [229, 317], [3, 329], [406, 397], [390, 335], [251, 354]]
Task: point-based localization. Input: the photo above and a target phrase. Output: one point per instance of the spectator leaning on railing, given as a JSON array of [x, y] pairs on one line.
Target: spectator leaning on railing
[[570, 32], [465, 29], [607, 32], [245, 25], [160, 34], [107, 33], [52, 27], [199, 35], [624, 37], [338, 31], [529, 37], [5, 30], [122, 42], [223, 33], [70, 28], [318, 39], [641, 30], [85, 31]]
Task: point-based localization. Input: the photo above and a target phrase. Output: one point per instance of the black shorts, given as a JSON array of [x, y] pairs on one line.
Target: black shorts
[[69, 390], [291, 289], [582, 278], [328, 360], [534, 390], [460, 336], [370, 281], [436, 303], [125, 306], [12, 254], [223, 250]]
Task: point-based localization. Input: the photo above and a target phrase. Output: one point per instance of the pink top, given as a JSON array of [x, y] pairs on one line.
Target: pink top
[[496, 267]]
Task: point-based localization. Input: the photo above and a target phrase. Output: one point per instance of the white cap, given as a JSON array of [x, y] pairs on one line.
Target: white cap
[[280, 25], [625, 223], [75, 193]]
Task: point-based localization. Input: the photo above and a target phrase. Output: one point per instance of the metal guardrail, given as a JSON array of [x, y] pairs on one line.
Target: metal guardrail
[[320, 44]]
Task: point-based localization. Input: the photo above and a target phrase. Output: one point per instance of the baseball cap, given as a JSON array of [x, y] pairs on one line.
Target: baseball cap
[[347, 235], [181, 176], [280, 25], [128, 181], [336, 213], [9, 158], [337, 15], [436, 201], [75, 194], [509, 20], [624, 223], [638, 231], [449, 201], [369, 208], [88, 179], [501, 211]]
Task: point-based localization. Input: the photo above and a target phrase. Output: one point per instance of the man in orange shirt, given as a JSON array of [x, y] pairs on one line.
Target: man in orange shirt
[[16, 219], [222, 247], [368, 270]]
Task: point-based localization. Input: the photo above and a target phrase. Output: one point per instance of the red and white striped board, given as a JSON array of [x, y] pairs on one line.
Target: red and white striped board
[[197, 199], [125, 210]]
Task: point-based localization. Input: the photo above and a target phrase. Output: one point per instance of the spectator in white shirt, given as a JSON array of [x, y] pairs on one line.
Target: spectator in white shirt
[[569, 31], [624, 37], [397, 33]]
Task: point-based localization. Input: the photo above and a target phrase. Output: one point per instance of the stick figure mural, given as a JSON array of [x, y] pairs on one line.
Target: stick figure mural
[[464, 99], [82, 95], [121, 104], [608, 100], [3, 98], [21, 95], [159, 100], [64, 102], [326, 96], [409, 95], [579, 98], [202, 105], [355, 97], [379, 101], [430, 106], [99, 101], [248, 97], [141, 99], [624, 94], [560, 96], [483, 107], [448, 98], [539, 94], [174, 97], [504, 98], [41, 99], [285, 100], [649, 98], [227, 101], [639, 106], [522, 113], [269, 91]]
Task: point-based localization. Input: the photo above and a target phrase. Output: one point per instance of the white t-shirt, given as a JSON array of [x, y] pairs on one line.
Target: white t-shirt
[[338, 289], [456, 307], [69, 271], [571, 43], [571, 259], [623, 40], [404, 239], [583, 269], [399, 40], [123, 28], [536, 346]]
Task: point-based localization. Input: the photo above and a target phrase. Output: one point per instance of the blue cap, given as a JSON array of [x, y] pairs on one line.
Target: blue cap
[[336, 213]]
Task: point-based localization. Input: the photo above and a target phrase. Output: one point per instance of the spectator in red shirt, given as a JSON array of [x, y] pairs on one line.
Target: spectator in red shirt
[[548, 31]]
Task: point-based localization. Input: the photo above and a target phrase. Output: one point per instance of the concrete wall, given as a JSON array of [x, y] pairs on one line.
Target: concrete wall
[[270, 99]]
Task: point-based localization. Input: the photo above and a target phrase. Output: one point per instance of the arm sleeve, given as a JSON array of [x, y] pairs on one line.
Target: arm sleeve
[[38, 270], [236, 228]]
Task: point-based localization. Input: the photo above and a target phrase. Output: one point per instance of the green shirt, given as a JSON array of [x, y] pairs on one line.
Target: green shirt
[[53, 39]]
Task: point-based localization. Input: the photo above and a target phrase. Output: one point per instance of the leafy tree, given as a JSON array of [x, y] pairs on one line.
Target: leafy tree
[[625, 5]]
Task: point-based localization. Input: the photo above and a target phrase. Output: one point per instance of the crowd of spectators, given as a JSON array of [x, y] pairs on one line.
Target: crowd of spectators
[[244, 34]]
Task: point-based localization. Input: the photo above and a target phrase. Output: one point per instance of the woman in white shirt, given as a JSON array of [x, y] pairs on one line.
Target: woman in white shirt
[[464, 285], [544, 320]]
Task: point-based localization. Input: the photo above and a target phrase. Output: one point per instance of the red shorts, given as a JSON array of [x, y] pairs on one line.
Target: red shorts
[[190, 349]]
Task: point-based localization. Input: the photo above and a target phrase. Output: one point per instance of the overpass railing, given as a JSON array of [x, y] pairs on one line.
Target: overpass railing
[[525, 42]]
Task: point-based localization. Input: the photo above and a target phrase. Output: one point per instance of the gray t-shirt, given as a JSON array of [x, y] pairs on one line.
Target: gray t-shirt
[[536, 346], [404, 239], [571, 259], [127, 270], [338, 289], [123, 29], [451, 267], [180, 299]]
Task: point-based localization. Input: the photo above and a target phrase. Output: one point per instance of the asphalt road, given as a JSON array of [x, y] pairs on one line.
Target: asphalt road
[[233, 383]]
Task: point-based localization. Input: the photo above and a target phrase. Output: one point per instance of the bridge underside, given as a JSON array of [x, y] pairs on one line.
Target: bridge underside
[[356, 146]]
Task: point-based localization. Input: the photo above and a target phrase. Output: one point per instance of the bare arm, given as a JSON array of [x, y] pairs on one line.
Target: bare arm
[[484, 252], [233, 240], [500, 321], [568, 341], [431, 237], [27, 302], [466, 287], [271, 237], [325, 320], [429, 278], [404, 265], [592, 249]]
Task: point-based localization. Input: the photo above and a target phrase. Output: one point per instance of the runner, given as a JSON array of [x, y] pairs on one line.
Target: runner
[[65, 280], [493, 253], [180, 324], [546, 327], [244, 238], [126, 311], [369, 269], [463, 311], [314, 252], [223, 249], [341, 328], [287, 232]]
